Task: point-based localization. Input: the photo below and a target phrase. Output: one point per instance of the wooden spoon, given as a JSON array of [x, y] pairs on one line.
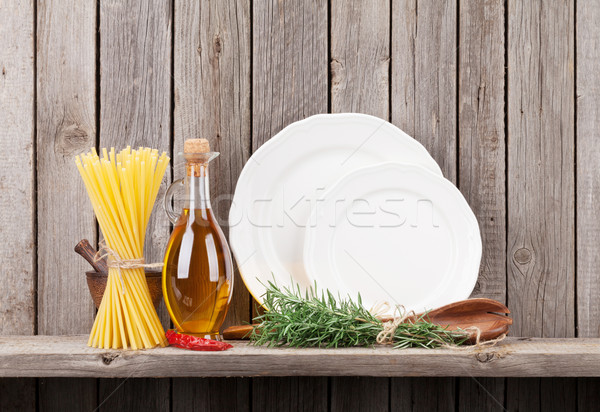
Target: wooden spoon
[[486, 314]]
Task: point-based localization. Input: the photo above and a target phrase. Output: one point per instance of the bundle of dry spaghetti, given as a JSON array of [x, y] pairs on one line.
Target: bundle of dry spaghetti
[[123, 188]]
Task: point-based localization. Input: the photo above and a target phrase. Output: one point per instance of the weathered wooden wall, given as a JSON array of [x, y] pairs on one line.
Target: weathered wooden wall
[[504, 94]]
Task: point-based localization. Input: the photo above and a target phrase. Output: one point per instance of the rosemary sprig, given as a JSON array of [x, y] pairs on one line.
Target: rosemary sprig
[[298, 320]]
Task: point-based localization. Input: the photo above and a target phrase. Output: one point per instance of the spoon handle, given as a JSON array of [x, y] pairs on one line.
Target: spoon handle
[[89, 253]]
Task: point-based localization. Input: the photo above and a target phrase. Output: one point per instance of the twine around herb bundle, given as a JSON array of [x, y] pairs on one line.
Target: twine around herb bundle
[[386, 336], [115, 261]]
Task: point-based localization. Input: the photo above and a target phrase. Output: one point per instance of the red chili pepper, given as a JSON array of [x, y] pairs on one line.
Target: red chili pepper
[[184, 341]]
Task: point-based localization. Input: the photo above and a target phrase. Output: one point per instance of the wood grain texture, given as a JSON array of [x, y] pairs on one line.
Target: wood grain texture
[[67, 394], [135, 109], [481, 162], [289, 394], [289, 83], [423, 82], [482, 136], [541, 172], [588, 168], [360, 57], [134, 395], [212, 101], [17, 204], [422, 394], [289, 80], [481, 394], [69, 356], [212, 51], [360, 394], [66, 126], [360, 67], [540, 237], [588, 185], [202, 394]]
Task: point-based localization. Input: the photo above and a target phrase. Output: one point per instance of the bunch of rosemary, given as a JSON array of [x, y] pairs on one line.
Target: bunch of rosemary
[[298, 320]]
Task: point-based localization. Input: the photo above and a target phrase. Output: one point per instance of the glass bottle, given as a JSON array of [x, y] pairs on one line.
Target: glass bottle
[[198, 270]]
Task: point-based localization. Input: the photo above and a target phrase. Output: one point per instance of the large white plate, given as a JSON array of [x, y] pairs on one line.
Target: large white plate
[[396, 233], [282, 179]]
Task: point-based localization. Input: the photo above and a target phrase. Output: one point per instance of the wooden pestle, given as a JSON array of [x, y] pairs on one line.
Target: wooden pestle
[[89, 253]]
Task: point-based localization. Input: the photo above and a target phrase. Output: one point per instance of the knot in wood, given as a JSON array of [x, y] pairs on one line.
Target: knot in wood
[[107, 358], [217, 44], [484, 357], [71, 139], [522, 256]]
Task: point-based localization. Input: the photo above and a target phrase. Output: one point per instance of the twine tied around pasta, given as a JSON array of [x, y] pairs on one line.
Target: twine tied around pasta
[[115, 261]]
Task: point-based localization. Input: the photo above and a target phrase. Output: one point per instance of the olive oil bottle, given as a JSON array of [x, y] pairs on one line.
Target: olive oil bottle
[[198, 270]]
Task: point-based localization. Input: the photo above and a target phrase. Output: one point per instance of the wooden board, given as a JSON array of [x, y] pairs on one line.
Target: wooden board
[[211, 394], [66, 126], [423, 394], [17, 155], [17, 183], [423, 79], [588, 185], [540, 236], [289, 83], [69, 356], [423, 82], [135, 109], [360, 68], [289, 394], [481, 161], [212, 50]]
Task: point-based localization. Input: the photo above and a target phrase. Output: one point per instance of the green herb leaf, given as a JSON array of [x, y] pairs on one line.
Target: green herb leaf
[[322, 320]]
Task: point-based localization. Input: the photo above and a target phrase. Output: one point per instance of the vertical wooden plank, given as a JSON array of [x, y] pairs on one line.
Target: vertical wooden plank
[[289, 83], [134, 395], [588, 185], [481, 394], [424, 76], [540, 237], [360, 65], [66, 126], [290, 394], [17, 205], [212, 100], [422, 394], [17, 200], [482, 162], [360, 57], [423, 85], [209, 394], [135, 109], [588, 168]]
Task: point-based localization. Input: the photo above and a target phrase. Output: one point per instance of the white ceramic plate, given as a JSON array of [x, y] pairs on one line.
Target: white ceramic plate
[[396, 233], [282, 179]]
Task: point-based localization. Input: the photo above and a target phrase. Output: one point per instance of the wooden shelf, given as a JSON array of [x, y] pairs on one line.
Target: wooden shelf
[[68, 356]]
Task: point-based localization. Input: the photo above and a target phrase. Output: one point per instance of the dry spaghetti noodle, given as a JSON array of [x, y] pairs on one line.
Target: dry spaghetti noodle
[[122, 188]]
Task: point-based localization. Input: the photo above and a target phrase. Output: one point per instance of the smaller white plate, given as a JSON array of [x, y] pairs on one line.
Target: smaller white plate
[[396, 233]]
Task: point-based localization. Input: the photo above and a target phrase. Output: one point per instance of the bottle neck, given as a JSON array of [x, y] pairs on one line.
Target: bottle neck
[[197, 190]]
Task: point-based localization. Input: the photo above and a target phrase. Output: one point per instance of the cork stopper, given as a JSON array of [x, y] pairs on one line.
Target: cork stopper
[[196, 146], [197, 155]]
